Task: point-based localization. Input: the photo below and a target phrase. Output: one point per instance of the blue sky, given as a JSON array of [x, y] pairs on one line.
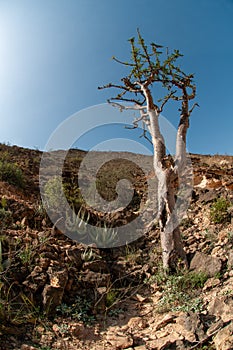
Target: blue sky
[[55, 53]]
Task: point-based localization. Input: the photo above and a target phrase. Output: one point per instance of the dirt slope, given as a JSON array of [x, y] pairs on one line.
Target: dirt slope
[[56, 293]]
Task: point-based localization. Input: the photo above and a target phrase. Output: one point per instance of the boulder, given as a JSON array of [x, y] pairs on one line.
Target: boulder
[[224, 338], [230, 260], [222, 307], [206, 264]]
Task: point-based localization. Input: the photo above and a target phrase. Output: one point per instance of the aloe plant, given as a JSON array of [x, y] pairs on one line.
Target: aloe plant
[[78, 224], [104, 237]]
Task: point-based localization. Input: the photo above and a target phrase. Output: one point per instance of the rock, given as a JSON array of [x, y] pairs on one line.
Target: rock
[[207, 196], [210, 283], [222, 307], [222, 237], [96, 266], [74, 255], [205, 263], [215, 327], [53, 292], [27, 347], [230, 260], [136, 322], [190, 327], [82, 332], [44, 263], [165, 342], [218, 252], [119, 341], [90, 279], [224, 338], [169, 318]]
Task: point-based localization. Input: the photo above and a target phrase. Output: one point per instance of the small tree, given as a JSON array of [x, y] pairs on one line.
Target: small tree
[[149, 66]]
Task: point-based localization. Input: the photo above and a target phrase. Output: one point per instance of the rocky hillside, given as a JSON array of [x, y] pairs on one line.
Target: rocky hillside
[[56, 293]]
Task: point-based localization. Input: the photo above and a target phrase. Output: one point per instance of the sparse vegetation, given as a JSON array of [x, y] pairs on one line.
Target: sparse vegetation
[[111, 297], [80, 309], [101, 286], [219, 211], [53, 195], [5, 218], [99, 234], [179, 291], [11, 173]]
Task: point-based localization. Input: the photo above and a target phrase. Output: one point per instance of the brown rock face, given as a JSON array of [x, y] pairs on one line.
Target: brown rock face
[[222, 307], [224, 338], [206, 263]]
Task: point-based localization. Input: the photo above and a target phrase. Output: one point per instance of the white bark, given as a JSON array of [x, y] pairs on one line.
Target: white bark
[[172, 248]]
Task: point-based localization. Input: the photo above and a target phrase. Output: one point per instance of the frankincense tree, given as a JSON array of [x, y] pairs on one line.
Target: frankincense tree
[[150, 66]]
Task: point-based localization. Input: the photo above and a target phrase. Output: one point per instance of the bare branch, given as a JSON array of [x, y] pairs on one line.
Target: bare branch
[[193, 93], [131, 86], [144, 134], [166, 99], [110, 85], [135, 107], [122, 62], [192, 108], [137, 120], [177, 98], [137, 102]]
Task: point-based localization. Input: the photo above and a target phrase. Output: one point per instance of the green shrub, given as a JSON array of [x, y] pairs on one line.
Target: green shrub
[[73, 195], [11, 173], [179, 291], [112, 297], [80, 309], [5, 218], [53, 194], [219, 211]]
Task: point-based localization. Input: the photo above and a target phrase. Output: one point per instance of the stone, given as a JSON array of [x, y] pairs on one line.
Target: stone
[[224, 338], [169, 318], [207, 196], [215, 327], [119, 341], [74, 255], [230, 260], [90, 278], [210, 283], [166, 342], [222, 307], [206, 264], [53, 293], [190, 327], [96, 266], [27, 347], [136, 322], [222, 236], [218, 252]]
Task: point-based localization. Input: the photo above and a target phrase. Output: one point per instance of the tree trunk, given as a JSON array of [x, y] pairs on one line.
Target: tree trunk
[[172, 247], [171, 243]]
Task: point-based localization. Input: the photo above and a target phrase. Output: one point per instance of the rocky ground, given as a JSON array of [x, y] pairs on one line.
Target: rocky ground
[[56, 293]]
